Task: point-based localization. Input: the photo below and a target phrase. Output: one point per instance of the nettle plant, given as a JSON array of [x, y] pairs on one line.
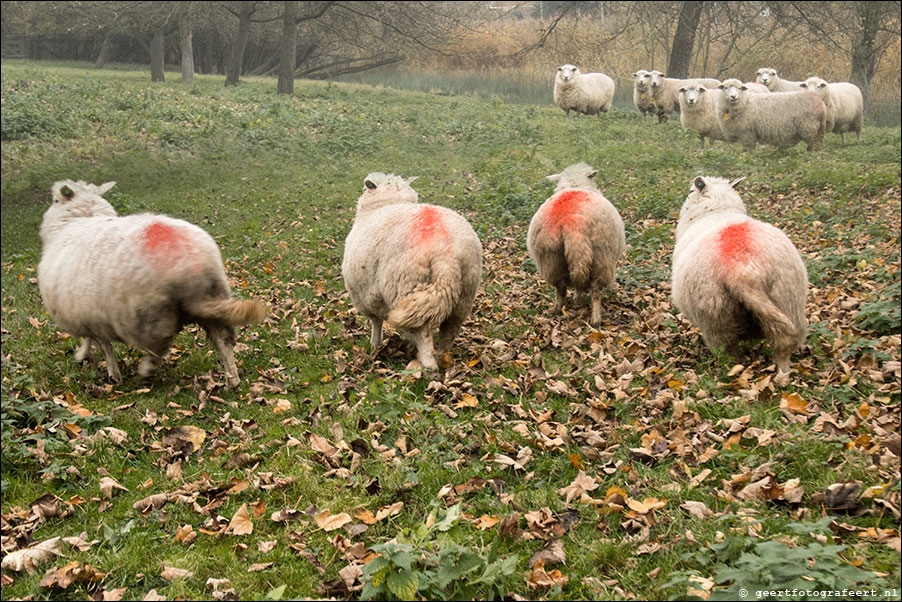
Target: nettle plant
[[435, 567]]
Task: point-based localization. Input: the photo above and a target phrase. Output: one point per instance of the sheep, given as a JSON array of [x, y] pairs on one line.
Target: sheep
[[413, 265], [576, 237], [698, 111], [641, 94], [777, 119], [845, 106], [136, 279], [735, 277], [586, 93], [769, 78], [666, 92]]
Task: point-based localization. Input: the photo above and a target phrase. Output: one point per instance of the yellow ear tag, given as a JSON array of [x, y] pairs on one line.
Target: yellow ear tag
[[643, 96], [726, 116]]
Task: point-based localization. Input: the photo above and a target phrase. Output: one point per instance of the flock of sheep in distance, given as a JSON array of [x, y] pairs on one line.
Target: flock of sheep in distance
[[769, 110], [139, 279]]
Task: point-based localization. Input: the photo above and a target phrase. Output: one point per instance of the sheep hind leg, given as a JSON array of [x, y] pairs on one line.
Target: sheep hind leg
[[422, 338], [376, 334], [560, 298], [84, 351], [223, 338], [595, 296], [112, 368], [447, 332]]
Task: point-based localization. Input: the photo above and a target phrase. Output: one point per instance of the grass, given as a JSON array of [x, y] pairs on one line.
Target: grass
[[275, 180]]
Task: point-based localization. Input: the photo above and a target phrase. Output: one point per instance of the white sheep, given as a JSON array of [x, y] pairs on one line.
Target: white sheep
[[136, 279], [778, 119], [586, 93], [737, 278], [698, 111], [576, 238], [769, 78], [845, 105], [416, 266], [666, 92], [642, 97]]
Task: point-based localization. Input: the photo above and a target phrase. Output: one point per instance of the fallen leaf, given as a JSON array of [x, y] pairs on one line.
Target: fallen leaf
[[329, 522], [241, 523], [108, 485], [29, 558], [553, 553], [171, 573], [580, 485]]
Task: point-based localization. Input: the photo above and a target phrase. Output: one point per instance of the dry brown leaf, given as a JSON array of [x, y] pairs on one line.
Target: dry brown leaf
[[241, 523], [153, 596], [696, 509], [29, 558], [580, 485], [259, 566], [553, 553], [151, 503], [171, 573], [74, 572], [108, 485], [114, 595], [329, 522]]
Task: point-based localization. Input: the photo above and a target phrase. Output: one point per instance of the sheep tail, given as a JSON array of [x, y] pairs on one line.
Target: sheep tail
[[234, 312], [775, 324], [578, 252], [431, 302]]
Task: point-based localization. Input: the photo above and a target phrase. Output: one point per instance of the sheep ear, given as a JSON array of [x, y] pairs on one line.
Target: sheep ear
[[103, 188], [699, 183], [369, 184], [823, 85], [744, 88], [735, 182], [591, 175], [67, 192], [554, 178], [682, 89], [803, 85], [721, 87]]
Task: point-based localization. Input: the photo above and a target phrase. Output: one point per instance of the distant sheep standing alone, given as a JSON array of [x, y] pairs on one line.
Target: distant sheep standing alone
[[576, 238], [735, 277], [586, 93], [414, 265], [137, 279]]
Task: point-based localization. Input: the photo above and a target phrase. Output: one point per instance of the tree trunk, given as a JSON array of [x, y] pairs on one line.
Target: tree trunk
[[158, 56], [106, 48], [288, 48], [864, 50], [187, 48], [235, 64], [684, 39]]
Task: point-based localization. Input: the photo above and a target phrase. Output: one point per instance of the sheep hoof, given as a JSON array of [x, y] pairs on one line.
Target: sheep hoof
[[232, 381]]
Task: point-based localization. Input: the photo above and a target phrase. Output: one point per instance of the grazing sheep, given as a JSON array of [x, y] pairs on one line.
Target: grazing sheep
[[777, 119], [735, 277], [666, 92], [576, 237], [769, 78], [698, 111], [586, 93], [137, 279], [845, 106], [415, 265], [641, 93]]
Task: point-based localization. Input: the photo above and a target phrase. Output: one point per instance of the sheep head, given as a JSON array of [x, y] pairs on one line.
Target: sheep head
[[578, 175]]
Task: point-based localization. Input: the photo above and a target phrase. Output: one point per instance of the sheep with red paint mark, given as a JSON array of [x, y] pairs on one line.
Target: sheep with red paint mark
[[414, 265], [735, 277], [137, 279], [576, 237]]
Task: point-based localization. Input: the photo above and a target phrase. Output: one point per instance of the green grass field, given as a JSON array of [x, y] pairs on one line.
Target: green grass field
[[551, 460]]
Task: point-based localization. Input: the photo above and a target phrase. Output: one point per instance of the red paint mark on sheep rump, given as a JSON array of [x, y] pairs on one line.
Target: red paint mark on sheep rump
[[736, 244], [564, 211], [163, 243], [428, 226]]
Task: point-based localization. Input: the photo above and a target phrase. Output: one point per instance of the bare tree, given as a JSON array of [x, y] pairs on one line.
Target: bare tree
[[684, 39], [288, 50], [185, 42]]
